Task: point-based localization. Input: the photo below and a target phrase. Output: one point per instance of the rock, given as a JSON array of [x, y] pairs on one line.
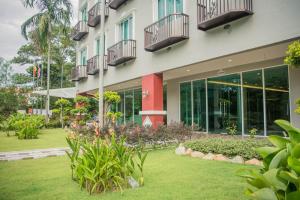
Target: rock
[[197, 154], [253, 161], [209, 156], [133, 183], [237, 159], [220, 157], [188, 151], [180, 150]]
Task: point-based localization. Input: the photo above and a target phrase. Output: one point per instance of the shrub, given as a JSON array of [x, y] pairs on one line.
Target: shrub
[[229, 146], [105, 164], [293, 54], [280, 177], [26, 126]]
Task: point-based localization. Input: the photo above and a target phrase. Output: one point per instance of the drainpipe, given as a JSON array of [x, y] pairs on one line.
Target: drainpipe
[[101, 60]]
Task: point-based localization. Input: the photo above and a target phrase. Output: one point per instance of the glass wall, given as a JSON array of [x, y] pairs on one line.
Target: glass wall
[[129, 106], [137, 104], [199, 102], [224, 103], [185, 103], [253, 101], [277, 97]]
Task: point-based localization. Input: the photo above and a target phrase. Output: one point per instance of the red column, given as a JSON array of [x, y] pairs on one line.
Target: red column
[[152, 103]]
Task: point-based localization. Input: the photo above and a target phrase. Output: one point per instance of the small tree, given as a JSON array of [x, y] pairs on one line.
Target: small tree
[[298, 106], [111, 115], [81, 110], [64, 108], [293, 55]]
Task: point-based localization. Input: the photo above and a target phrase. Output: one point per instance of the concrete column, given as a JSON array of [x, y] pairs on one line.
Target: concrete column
[[294, 95], [152, 103]]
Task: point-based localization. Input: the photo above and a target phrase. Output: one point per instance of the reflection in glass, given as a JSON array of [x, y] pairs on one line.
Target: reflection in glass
[[253, 101], [199, 104], [129, 106], [137, 106], [120, 108], [224, 103], [277, 97], [185, 103]]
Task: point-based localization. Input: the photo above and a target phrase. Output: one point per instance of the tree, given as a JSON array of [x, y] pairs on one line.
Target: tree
[[20, 78], [5, 72], [64, 106], [293, 55], [51, 13]]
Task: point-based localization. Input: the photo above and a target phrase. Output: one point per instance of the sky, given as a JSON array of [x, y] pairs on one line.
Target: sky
[[12, 15]]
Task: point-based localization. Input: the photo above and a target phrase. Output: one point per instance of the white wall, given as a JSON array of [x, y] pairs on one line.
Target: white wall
[[273, 21]]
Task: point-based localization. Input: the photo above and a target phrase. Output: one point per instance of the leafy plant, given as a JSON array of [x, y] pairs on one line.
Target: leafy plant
[[280, 177], [232, 129], [298, 106], [228, 146], [104, 165], [253, 132], [4, 126], [63, 108], [293, 54]]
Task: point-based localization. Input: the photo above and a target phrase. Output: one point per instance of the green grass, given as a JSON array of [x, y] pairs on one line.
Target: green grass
[[167, 176], [49, 138]]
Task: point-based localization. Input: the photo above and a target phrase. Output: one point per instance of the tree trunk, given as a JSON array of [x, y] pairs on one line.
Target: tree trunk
[[48, 78]]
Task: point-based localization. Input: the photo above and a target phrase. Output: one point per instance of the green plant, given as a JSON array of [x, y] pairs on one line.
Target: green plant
[[293, 54], [4, 126], [228, 146], [105, 164], [298, 106], [63, 108], [253, 132], [280, 177], [232, 129]]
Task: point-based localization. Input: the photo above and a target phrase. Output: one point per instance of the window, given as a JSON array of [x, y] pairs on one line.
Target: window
[[199, 104], [224, 103], [83, 57], [126, 29], [253, 101], [137, 104], [84, 13], [167, 7], [277, 97], [98, 46], [185, 103]]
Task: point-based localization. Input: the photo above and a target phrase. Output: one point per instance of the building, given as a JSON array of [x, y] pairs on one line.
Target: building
[[214, 63]]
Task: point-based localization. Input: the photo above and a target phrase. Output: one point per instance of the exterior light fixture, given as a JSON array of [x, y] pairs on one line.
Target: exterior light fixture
[[145, 93]]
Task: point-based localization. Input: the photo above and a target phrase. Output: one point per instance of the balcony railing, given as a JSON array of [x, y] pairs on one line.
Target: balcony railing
[[78, 73], [167, 31], [213, 13], [93, 65], [121, 52], [115, 4], [79, 31], [95, 14]]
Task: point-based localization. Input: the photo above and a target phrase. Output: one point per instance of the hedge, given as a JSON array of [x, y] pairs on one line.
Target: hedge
[[229, 146]]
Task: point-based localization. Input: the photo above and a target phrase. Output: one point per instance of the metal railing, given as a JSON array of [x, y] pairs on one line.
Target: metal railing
[[115, 4], [95, 14], [171, 26], [79, 72], [93, 64], [121, 52], [79, 30], [209, 9]]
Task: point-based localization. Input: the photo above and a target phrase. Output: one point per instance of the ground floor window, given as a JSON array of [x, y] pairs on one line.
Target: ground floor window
[[247, 100]]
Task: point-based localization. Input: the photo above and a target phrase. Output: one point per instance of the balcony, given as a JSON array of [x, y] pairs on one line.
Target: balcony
[[93, 65], [115, 4], [213, 13], [78, 73], [169, 30], [95, 14], [121, 52], [79, 31]]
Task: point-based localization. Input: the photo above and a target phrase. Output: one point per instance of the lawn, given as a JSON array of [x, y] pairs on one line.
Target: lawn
[[49, 138], [167, 176]]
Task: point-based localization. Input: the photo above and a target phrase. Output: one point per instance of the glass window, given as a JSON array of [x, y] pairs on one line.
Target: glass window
[[199, 104], [126, 29], [129, 106], [83, 57], [84, 14], [167, 7], [253, 101], [137, 106], [224, 103], [185, 103], [165, 106], [99, 46], [120, 108], [277, 97]]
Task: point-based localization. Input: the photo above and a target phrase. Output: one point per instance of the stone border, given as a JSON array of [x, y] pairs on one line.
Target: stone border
[[181, 150]]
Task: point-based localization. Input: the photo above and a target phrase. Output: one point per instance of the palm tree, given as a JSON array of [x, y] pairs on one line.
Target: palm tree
[[51, 13]]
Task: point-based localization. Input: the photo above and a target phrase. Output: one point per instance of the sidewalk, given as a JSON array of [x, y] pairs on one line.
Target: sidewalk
[[32, 154]]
